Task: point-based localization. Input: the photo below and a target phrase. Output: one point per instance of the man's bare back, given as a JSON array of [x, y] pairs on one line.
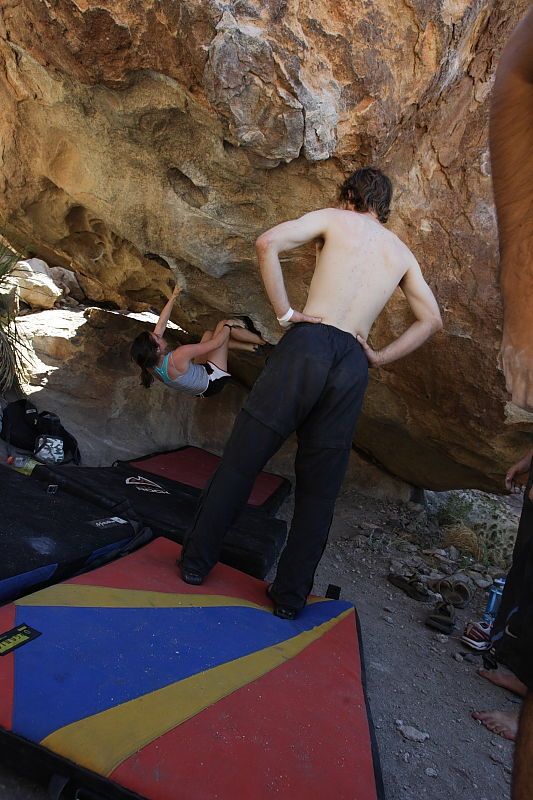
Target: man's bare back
[[359, 265]]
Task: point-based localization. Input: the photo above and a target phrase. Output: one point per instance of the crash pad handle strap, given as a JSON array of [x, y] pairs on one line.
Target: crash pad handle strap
[[57, 785]]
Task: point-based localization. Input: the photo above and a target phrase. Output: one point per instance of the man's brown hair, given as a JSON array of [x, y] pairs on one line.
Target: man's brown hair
[[368, 189]]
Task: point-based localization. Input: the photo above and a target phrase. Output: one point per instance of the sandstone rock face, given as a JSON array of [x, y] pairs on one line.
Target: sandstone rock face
[[66, 280], [146, 140], [81, 370], [35, 285]]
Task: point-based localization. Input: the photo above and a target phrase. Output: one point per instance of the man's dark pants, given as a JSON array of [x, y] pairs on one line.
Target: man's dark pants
[[512, 637], [313, 383]]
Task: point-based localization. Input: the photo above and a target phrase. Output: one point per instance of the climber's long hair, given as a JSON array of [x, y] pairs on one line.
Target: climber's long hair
[[144, 351], [368, 189]]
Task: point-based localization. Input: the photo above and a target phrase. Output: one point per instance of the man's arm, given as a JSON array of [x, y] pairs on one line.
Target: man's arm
[[287, 236], [517, 475], [164, 316], [511, 145], [428, 320]]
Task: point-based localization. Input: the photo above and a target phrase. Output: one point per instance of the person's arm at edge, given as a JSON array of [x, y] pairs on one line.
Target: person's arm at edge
[[279, 239], [164, 316], [521, 466], [428, 320]]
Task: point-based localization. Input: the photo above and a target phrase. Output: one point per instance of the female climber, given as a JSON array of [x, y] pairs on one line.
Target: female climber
[[195, 369]]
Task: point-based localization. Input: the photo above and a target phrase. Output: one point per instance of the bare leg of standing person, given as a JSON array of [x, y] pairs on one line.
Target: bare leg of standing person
[[523, 762]]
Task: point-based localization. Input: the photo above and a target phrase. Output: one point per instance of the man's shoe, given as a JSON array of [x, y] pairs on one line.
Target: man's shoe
[[191, 577], [477, 635], [281, 611]]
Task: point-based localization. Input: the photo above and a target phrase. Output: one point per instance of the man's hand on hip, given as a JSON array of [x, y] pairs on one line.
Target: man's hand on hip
[[374, 357], [298, 316]]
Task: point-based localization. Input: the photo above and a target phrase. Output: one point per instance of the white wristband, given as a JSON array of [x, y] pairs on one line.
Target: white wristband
[[285, 319]]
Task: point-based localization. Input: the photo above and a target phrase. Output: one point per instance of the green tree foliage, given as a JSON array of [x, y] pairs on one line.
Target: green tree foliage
[[11, 347]]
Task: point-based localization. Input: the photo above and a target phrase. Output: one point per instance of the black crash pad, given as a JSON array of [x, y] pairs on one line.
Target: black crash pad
[[251, 545], [48, 535]]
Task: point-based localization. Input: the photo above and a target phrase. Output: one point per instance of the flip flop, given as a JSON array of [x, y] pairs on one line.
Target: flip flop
[[454, 590], [462, 586], [442, 618], [411, 586]]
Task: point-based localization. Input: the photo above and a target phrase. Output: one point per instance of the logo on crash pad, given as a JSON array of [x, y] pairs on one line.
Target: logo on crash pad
[[145, 485], [108, 522], [16, 637]]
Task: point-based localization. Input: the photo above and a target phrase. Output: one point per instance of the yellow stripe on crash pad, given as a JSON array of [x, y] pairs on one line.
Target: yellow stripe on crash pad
[[103, 741], [81, 596]]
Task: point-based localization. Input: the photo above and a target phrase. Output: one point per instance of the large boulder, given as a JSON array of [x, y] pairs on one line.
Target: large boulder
[[35, 285], [145, 139], [67, 281]]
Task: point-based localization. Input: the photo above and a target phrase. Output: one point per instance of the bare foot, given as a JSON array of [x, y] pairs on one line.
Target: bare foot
[[504, 723], [504, 678]]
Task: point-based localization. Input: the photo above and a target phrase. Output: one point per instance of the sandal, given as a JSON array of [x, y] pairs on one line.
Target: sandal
[[455, 590], [442, 618], [463, 587], [412, 586]]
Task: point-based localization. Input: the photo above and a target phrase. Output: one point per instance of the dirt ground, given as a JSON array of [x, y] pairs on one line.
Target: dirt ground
[[412, 676]]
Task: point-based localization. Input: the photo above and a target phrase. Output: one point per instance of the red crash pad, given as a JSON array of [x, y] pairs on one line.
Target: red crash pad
[[135, 684]]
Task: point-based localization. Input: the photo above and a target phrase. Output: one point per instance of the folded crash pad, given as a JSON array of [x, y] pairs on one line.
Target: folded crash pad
[[252, 544], [131, 684], [48, 534], [192, 467]]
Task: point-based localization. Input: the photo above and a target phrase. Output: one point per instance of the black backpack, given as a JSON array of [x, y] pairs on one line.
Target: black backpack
[[41, 433]]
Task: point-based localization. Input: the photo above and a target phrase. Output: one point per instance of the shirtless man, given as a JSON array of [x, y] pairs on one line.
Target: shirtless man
[[511, 152], [314, 381]]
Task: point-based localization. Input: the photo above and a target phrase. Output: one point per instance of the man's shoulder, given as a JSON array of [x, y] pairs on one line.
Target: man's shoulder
[[330, 211], [399, 244]]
